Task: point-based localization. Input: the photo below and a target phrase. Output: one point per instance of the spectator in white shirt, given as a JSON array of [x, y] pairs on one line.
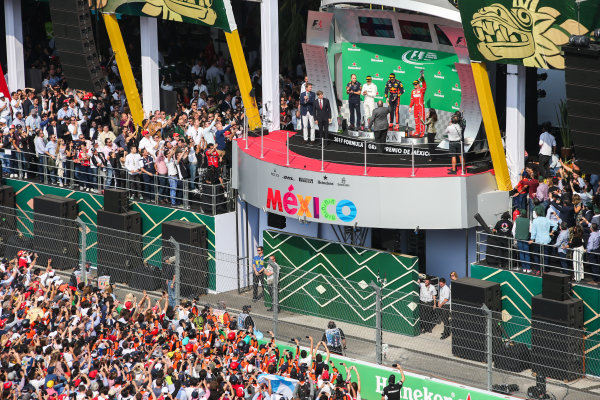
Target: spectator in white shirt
[[4, 107], [133, 164], [547, 148], [427, 296], [214, 73], [33, 121], [200, 87], [208, 133], [443, 307], [148, 143]]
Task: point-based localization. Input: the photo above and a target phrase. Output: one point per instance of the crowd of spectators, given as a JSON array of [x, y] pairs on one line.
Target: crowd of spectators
[[556, 217], [76, 341]]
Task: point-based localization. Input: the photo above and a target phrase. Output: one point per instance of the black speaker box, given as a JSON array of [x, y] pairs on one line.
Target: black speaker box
[[469, 332], [567, 313], [556, 286], [168, 101], [512, 356], [75, 43], [119, 244], [185, 232], [193, 256], [55, 206], [115, 200], [8, 219], [276, 221], [582, 77], [55, 230], [477, 292]]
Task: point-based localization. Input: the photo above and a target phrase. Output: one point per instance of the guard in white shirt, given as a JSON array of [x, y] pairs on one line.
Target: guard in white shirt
[[369, 93], [427, 296], [443, 307]]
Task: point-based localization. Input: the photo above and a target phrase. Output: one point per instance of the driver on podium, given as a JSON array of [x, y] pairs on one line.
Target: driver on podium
[[417, 103], [369, 93], [393, 91]]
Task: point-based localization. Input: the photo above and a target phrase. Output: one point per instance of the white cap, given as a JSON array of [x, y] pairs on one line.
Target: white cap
[[2, 120]]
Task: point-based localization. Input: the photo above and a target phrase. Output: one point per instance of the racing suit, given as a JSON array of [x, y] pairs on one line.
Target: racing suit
[[393, 91], [417, 100], [370, 91]]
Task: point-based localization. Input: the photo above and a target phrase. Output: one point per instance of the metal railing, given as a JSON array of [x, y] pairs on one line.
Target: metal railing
[[537, 258], [207, 198], [370, 153]]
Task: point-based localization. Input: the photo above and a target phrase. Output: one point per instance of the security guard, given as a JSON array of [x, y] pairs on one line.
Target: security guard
[[393, 91]]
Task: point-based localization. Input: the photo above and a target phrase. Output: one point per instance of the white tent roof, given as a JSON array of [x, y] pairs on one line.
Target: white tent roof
[[437, 8]]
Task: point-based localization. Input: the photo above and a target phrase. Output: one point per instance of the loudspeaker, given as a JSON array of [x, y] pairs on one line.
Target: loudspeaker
[[476, 292], [567, 313], [193, 256], [115, 200], [582, 76], [8, 220], [556, 286], [56, 232], [75, 43], [119, 245], [557, 338], [276, 221], [469, 321], [168, 101]]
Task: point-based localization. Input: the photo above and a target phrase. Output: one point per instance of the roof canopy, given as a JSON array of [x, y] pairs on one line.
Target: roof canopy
[[437, 8]]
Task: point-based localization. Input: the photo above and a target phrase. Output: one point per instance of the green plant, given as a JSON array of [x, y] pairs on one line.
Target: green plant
[[562, 115]]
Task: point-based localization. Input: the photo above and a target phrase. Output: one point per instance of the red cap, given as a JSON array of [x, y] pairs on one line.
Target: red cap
[[113, 338], [154, 332], [93, 374], [189, 347], [231, 335], [66, 101], [128, 305], [325, 374], [240, 392], [7, 385], [144, 133], [234, 365], [77, 382], [175, 134]]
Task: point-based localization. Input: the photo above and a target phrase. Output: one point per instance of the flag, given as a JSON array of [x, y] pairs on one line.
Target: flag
[[281, 385]]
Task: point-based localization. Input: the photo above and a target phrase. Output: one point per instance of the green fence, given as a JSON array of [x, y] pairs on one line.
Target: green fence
[[88, 203], [331, 280], [517, 291]]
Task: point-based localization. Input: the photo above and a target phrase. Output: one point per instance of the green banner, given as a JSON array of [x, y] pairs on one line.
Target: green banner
[[443, 85], [214, 13], [525, 32], [374, 378]]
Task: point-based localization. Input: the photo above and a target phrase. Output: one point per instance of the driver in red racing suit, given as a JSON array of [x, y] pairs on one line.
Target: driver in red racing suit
[[393, 91], [417, 100]]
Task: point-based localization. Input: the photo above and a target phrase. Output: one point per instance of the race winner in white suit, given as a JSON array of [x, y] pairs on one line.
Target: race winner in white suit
[[369, 93]]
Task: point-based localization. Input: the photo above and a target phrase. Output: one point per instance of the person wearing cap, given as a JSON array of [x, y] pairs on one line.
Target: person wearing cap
[[258, 268], [353, 89], [63, 114], [369, 91], [393, 91], [417, 103], [427, 298]]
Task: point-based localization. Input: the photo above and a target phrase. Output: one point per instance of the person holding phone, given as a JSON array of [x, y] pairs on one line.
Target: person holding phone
[[393, 390]]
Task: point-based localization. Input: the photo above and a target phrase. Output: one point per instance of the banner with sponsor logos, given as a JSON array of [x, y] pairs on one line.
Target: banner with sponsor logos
[[443, 84], [214, 13], [525, 32], [374, 378], [387, 148]]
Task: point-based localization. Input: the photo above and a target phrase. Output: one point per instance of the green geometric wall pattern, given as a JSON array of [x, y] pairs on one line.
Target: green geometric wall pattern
[[88, 203], [517, 291], [330, 280]]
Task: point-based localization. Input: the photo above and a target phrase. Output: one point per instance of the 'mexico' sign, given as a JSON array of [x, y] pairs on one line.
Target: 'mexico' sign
[[215, 13]]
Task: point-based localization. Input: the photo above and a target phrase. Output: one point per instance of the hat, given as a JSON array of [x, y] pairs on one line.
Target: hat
[[416, 82], [49, 384], [240, 392], [128, 305], [392, 75], [234, 365], [2, 120], [20, 253], [145, 132], [176, 134], [12, 127], [325, 375], [8, 385], [93, 374], [369, 77], [66, 101]]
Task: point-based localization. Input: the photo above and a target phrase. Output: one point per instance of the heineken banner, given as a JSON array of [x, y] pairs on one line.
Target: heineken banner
[[215, 13], [374, 378], [525, 32], [443, 85]]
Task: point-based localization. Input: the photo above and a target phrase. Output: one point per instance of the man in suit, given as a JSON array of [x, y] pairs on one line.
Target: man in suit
[[307, 100], [322, 115], [379, 124]]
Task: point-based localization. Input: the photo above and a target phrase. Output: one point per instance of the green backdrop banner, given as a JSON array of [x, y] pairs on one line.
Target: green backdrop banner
[[525, 32], [374, 378], [331, 280], [443, 84], [517, 291], [214, 13], [88, 203]]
